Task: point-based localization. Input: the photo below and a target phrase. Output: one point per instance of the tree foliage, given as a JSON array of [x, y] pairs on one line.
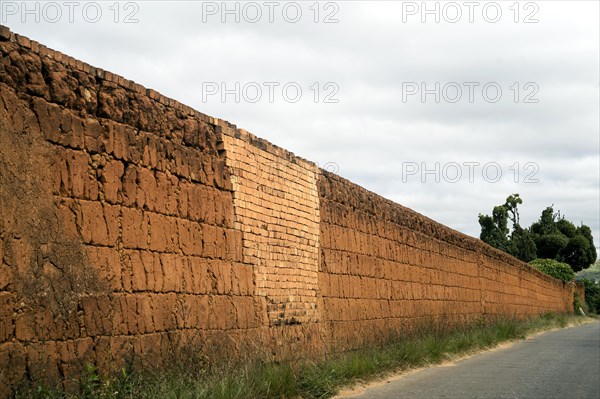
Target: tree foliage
[[522, 245], [494, 228], [550, 237], [549, 245], [591, 273], [592, 295], [495, 231], [566, 228], [577, 253]]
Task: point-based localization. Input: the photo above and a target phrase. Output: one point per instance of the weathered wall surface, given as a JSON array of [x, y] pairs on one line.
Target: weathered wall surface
[[386, 269], [131, 224], [117, 230]]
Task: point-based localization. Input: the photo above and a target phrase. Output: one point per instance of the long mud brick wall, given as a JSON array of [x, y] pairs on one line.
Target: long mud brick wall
[[132, 225], [386, 270]]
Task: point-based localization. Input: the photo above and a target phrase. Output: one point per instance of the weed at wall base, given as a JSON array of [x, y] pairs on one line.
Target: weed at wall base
[[186, 378]]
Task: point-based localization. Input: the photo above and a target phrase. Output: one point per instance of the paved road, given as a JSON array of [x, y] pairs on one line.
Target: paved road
[[562, 364]]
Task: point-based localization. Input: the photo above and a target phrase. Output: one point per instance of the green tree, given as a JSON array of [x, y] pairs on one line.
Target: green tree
[[557, 238], [522, 245], [494, 229], [592, 295], [566, 228], [586, 232], [546, 225], [511, 205], [577, 253], [550, 245], [550, 237]]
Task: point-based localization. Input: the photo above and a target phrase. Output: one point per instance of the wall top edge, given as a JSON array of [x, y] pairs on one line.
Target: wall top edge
[[221, 126], [432, 228]]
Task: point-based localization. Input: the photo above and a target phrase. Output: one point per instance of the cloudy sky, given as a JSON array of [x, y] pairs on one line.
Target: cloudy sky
[[445, 107]]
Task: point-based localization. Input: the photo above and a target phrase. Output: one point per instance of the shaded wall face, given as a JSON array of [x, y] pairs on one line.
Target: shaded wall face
[[131, 225], [386, 270], [117, 231]]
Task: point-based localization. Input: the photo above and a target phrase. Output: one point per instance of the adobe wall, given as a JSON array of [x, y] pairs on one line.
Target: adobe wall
[[131, 225], [117, 234], [386, 270]]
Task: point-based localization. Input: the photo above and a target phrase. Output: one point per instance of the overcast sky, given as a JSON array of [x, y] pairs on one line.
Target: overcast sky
[[424, 108]]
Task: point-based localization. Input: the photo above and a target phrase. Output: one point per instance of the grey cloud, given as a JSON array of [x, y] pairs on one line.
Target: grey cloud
[[370, 132]]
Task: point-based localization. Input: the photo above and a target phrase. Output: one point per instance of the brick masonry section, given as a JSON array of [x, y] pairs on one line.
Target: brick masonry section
[[277, 209], [131, 225]]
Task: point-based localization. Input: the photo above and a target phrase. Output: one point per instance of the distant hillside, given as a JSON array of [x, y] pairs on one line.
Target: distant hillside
[[591, 273]]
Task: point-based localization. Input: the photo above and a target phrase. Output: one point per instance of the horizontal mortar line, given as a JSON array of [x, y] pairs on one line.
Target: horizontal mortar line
[[377, 277], [150, 168], [368, 255], [199, 257], [289, 180], [183, 293], [132, 336], [405, 301], [426, 317], [275, 215], [386, 239], [401, 226], [254, 197], [301, 223], [120, 205], [425, 267], [384, 278]]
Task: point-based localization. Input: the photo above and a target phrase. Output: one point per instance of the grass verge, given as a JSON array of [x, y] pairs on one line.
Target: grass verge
[[322, 379]]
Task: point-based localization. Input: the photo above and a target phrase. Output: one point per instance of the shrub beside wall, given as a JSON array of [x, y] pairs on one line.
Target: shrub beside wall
[[554, 268]]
